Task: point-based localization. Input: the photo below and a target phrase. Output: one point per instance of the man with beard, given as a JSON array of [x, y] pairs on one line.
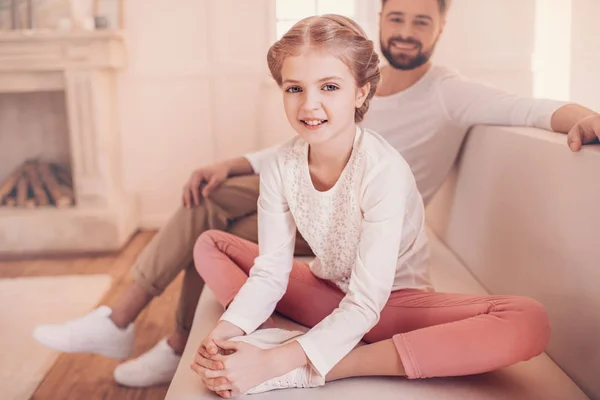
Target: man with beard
[[423, 110]]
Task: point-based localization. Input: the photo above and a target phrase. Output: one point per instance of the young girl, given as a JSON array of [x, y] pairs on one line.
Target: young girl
[[354, 199]]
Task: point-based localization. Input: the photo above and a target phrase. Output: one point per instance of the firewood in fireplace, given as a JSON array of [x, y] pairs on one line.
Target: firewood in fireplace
[[60, 198], [63, 175], [67, 191], [9, 184], [10, 200], [22, 191], [41, 198]]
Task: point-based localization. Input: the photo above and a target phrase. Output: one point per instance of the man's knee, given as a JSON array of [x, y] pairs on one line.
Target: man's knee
[[237, 195], [186, 213]]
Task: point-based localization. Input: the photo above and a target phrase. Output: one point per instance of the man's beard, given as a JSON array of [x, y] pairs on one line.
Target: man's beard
[[403, 61]]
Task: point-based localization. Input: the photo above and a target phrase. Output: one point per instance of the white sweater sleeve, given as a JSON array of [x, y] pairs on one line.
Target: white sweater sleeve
[[260, 158], [383, 204], [471, 103], [268, 278]]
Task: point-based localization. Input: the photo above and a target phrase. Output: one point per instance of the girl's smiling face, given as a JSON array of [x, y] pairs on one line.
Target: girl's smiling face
[[320, 95]]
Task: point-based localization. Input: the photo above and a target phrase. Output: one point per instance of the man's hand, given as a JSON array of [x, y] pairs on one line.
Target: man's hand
[[207, 179], [585, 131]]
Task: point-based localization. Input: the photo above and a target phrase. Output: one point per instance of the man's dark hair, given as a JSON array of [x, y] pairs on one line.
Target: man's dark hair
[[443, 4]]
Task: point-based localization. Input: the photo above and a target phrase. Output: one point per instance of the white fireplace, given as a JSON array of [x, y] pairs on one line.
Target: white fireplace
[[75, 74]]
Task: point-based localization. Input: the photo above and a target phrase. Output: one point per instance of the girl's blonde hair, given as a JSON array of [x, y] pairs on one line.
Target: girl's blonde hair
[[338, 34]]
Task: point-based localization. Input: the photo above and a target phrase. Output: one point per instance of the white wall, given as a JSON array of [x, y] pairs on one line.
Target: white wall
[[552, 52], [191, 94], [491, 41], [197, 88], [585, 51]]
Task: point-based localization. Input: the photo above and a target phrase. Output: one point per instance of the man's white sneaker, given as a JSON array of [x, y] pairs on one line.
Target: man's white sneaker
[[157, 366], [303, 377], [92, 333]]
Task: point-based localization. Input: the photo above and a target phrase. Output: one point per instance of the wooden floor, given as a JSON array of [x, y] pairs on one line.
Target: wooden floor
[[89, 377]]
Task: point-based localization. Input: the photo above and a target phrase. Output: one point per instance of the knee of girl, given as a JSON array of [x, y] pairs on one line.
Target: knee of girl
[[205, 244], [536, 326]]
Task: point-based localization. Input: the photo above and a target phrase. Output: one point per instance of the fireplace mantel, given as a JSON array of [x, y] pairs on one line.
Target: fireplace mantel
[[41, 61], [58, 51], [84, 66]]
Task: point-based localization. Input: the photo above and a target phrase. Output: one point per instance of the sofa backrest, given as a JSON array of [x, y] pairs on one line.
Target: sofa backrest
[[523, 214]]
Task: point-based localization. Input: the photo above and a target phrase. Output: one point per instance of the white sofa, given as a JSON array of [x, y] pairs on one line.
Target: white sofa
[[516, 216]]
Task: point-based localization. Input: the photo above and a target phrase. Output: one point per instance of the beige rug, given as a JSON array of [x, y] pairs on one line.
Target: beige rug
[[27, 302]]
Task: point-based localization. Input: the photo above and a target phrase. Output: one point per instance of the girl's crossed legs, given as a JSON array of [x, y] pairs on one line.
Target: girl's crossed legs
[[419, 335]]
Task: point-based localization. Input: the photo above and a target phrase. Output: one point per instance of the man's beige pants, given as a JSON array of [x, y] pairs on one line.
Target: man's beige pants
[[231, 208]]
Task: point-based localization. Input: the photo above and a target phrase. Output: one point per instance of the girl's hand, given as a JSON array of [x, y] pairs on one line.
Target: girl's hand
[[204, 357], [245, 367], [208, 349]]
